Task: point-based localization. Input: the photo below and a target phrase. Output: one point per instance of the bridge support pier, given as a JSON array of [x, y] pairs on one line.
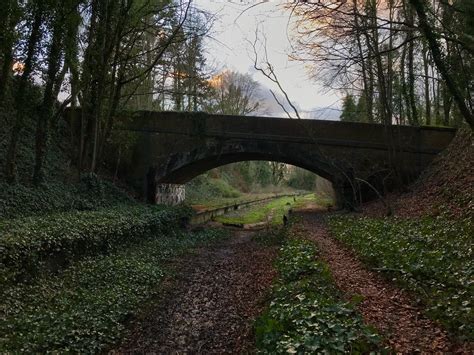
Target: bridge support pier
[[169, 194], [163, 194], [346, 194]]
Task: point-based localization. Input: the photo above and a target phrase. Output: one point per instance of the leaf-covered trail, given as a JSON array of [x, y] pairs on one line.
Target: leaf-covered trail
[[392, 311], [211, 306]]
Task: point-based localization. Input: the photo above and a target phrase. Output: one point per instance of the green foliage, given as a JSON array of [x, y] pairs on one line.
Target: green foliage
[[261, 172], [246, 177], [275, 209], [89, 194], [84, 308], [349, 109], [306, 314], [302, 179], [249, 175], [361, 109], [34, 244], [203, 188], [26, 147], [432, 257]]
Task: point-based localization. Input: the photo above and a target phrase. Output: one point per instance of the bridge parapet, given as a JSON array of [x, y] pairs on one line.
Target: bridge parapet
[[429, 140]]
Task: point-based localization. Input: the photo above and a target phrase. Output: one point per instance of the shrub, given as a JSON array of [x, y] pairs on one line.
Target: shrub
[[203, 188]]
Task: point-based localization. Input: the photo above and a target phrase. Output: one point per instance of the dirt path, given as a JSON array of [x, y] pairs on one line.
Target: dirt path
[[390, 310], [211, 307]]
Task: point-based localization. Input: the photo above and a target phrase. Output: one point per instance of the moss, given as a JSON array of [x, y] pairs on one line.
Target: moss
[[274, 209]]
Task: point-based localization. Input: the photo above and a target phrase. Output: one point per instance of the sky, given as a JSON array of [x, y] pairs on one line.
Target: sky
[[227, 48]]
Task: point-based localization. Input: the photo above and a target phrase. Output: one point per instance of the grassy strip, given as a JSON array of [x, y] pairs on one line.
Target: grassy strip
[[33, 244], [434, 257], [306, 313], [226, 201], [277, 208], [259, 213], [84, 308], [319, 200]]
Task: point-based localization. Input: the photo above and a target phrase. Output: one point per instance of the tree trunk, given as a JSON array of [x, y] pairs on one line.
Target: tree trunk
[[46, 108], [390, 63], [365, 79], [10, 168], [8, 21], [438, 59], [86, 85], [406, 95], [117, 165], [427, 86], [447, 103], [436, 96], [411, 66]]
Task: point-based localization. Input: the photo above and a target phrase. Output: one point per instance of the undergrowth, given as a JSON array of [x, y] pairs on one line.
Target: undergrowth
[[84, 308], [32, 245], [306, 313], [203, 189], [90, 193], [433, 257]]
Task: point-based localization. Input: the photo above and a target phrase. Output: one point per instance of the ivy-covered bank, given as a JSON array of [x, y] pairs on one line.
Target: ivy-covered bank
[[83, 308], [87, 194], [32, 245], [306, 312], [432, 257]]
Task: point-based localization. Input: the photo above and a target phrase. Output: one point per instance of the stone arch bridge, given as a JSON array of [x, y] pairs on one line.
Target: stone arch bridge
[[172, 148]]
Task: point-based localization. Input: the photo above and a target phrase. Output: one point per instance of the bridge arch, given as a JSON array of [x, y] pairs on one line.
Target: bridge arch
[[181, 167], [173, 147]]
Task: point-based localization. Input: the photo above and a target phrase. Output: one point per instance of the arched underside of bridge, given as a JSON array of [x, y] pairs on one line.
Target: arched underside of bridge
[[179, 168]]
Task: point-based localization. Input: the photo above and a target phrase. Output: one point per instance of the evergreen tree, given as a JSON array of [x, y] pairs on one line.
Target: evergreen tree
[[349, 109], [361, 110]]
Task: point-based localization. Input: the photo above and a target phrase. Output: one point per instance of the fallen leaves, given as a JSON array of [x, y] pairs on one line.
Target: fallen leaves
[[391, 310], [211, 306]]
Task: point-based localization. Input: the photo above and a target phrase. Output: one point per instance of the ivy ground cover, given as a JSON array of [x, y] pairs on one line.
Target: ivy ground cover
[[306, 313], [32, 245], [83, 308], [433, 257]]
